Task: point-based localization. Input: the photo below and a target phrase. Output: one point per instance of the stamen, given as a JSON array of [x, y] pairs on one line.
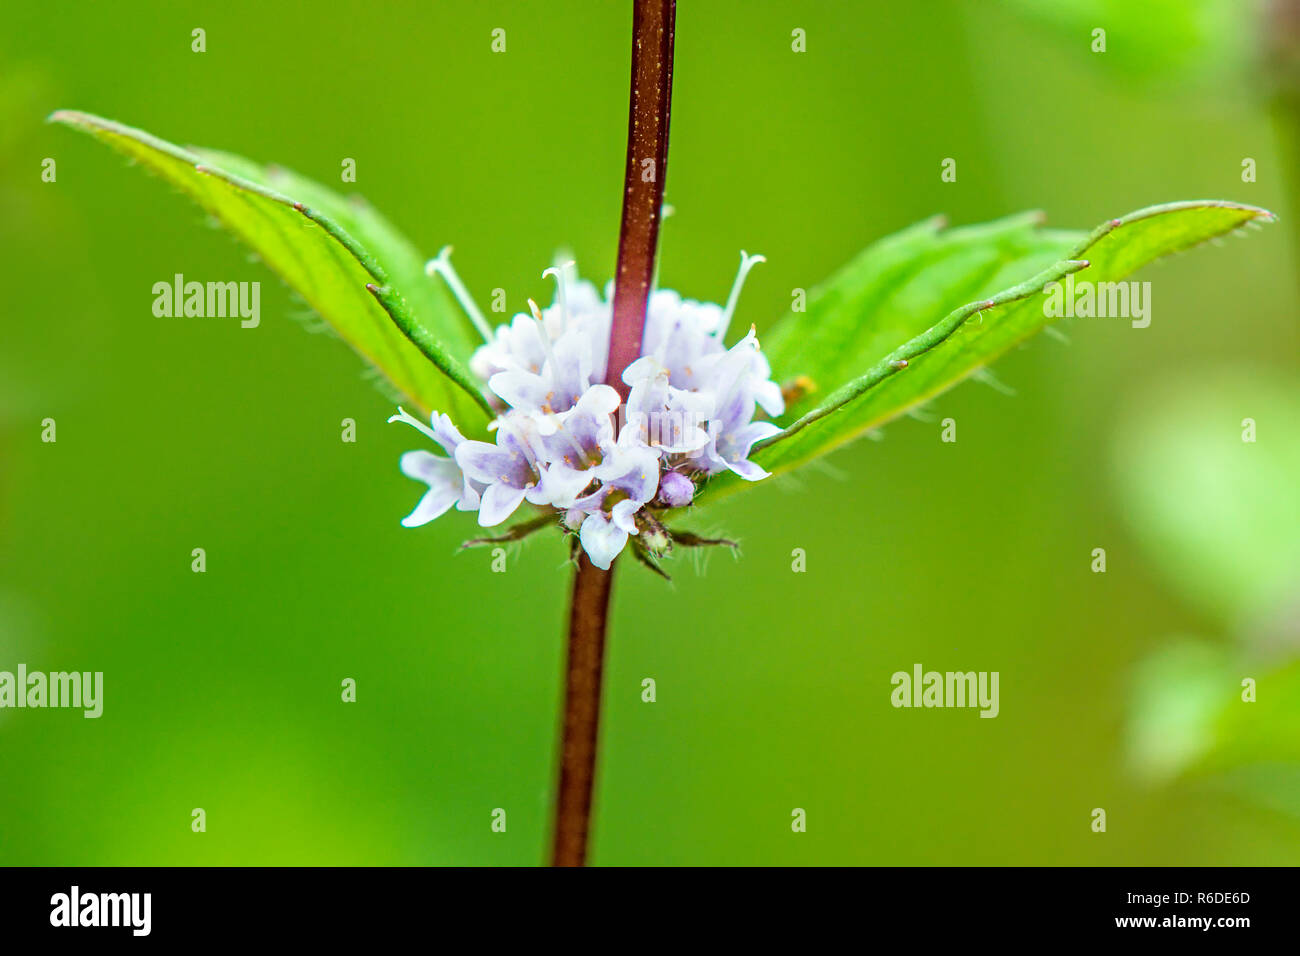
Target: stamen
[[546, 338], [573, 443], [558, 272], [415, 423], [747, 262], [514, 433], [442, 266]]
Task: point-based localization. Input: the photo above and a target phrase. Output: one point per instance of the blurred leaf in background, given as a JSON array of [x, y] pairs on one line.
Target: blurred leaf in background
[[1214, 501], [1208, 465], [1153, 39]]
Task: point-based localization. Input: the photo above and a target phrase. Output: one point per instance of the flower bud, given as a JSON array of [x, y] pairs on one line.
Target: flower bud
[[675, 489]]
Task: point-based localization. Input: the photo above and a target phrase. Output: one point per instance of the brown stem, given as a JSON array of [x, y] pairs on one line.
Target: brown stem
[[588, 613], [643, 195], [643, 180]]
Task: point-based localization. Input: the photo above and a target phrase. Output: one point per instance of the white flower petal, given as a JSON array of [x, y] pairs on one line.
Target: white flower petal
[[498, 503], [443, 478], [602, 540]]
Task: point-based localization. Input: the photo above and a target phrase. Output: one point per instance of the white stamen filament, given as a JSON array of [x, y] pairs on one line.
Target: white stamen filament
[[442, 266], [558, 273], [546, 338], [747, 262], [415, 423]]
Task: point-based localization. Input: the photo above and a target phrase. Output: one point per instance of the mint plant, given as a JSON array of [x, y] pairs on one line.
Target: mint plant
[[611, 418]]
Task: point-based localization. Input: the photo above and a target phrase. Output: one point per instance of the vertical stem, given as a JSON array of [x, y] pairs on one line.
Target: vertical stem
[[643, 195], [588, 613], [643, 180]]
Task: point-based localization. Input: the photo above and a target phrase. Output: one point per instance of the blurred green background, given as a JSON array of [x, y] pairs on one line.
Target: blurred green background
[[1118, 690]]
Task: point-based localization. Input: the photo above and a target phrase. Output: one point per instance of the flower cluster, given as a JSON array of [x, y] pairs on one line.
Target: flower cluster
[[689, 413]]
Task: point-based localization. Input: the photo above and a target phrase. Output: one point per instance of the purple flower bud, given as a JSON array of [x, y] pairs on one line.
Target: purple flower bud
[[675, 489]]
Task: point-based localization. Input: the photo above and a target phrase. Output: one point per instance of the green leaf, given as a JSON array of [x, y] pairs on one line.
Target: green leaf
[[897, 287], [427, 296], [350, 265], [869, 339]]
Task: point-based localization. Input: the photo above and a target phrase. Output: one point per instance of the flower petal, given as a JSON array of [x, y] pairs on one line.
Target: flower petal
[[443, 478], [482, 461], [498, 503], [621, 515], [602, 540], [748, 470]]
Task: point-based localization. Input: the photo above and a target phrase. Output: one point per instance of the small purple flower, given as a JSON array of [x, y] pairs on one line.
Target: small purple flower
[[604, 536], [632, 477], [447, 483], [679, 333], [730, 449], [670, 420], [631, 470], [578, 448], [563, 379], [510, 470], [732, 431]]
